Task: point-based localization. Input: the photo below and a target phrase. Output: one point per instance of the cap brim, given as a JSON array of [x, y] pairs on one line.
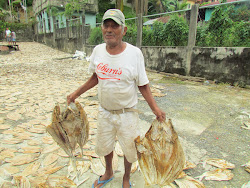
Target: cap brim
[[115, 19]]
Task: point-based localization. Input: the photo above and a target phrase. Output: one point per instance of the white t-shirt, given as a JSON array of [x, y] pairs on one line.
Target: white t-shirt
[[8, 33], [118, 76]]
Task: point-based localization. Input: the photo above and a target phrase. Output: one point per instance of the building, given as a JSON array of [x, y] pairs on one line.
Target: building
[[50, 13]]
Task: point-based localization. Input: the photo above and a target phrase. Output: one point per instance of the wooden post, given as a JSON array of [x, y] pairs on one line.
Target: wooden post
[[67, 29], [83, 32], [139, 24], [54, 30], [191, 35]]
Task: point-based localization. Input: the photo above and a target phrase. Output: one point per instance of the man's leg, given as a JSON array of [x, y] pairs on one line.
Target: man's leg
[[109, 169], [126, 176]]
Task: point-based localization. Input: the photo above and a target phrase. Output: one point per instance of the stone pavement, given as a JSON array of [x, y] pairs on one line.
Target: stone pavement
[[209, 119]]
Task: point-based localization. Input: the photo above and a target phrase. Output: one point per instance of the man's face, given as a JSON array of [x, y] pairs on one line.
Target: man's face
[[112, 32]]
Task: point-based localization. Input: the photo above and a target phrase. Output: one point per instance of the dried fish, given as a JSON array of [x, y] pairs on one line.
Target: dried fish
[[37, 130], [160, 154], [48, 170], [14, 116], [220, 163], [31, 169], [69, 127], [97, 167], [217, 175], [38, 181], [134, 167], [59, 181], [247, 166], [90, 153], [22, 159], [246, 185], [189, 165], [33, 142], [49, 159], [11, 169], [30, 149], [50, 148], [2, 126], [22, 182], [47, 140], [7, 153], [83, 166], [188, 181], [24, 136], [12, 141]]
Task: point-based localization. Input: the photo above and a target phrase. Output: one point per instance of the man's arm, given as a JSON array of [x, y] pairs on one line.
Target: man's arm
[[92, 82], [146, 93]]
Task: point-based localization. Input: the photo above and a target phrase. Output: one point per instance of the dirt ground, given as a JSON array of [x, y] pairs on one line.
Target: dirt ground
[[210, 119]]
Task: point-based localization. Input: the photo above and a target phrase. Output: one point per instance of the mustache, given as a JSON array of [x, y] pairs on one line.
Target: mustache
[[109, 34]]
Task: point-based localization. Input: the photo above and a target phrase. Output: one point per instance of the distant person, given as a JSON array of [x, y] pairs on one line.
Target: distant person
[[13, 37], [8, 35]]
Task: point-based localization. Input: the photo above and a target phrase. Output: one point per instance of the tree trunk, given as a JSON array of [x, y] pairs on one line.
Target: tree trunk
[[145, 7], [119, 4], [10, 10]]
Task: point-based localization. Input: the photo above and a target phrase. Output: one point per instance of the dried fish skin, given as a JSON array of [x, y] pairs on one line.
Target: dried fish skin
[[69, 127], [59, 181], [22, 182], [55, 130], [220, 163], [83, 131], [160, 154], [188, 181], [217, 175]]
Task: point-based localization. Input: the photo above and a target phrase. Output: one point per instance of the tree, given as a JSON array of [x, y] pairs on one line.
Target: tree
[[119, 4], [3, 4], [174, 5], [74, 6]]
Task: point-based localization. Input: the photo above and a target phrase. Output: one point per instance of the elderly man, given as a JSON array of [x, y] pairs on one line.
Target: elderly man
[[118, 69]]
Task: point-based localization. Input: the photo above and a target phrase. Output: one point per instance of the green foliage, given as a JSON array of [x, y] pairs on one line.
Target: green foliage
[[173, 33], [17, 2], [13, 26], [73, 6], [29, 3], [130, 35], [69, 9], [241, 14], [219, 23], [95, 36], [3, 4], [241, 32], [177, 31], [224, 29], [3, 14]]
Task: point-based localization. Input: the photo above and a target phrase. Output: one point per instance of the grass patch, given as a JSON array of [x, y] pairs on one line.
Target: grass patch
[[176, 80]]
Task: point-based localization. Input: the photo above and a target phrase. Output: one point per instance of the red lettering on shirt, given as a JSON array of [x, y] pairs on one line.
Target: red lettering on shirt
[[110, 73]]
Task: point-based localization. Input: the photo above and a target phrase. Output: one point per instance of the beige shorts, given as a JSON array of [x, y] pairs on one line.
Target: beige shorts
[[123, 126]]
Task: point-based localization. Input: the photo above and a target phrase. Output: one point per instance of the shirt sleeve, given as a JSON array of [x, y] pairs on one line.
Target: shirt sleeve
[[142, 78], [91, 68]]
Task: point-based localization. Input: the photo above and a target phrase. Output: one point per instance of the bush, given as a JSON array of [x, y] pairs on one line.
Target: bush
[[241, 34], [95, 36]]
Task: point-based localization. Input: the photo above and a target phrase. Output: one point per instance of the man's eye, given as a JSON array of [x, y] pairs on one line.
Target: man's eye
[[112, 26]]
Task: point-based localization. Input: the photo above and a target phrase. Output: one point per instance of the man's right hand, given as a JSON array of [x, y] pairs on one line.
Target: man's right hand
[[71, 98]]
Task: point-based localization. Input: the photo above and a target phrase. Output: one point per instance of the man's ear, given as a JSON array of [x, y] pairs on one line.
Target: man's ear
[[125, 30]]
